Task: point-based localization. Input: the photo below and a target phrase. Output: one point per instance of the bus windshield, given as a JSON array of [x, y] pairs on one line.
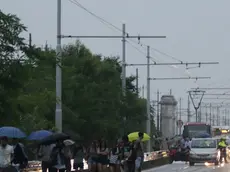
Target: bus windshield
[[192, 130]]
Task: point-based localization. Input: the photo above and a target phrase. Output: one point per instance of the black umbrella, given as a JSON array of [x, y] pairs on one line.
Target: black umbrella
[[54, 138]]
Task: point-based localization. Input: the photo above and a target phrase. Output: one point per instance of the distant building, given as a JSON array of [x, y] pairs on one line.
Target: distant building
[[168, 115]]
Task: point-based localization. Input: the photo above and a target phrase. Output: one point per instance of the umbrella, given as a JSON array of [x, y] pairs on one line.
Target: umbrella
[[11, 132], [54, 138], [134, 136], [68, 142], [38, 135]]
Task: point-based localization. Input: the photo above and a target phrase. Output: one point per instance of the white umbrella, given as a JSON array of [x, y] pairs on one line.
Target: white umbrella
[[68, 142]]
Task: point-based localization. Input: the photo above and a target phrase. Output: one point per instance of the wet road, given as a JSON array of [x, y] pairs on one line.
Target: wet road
[[182, 167]]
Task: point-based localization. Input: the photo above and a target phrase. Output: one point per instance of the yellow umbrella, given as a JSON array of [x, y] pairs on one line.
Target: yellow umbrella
[[134, 136]]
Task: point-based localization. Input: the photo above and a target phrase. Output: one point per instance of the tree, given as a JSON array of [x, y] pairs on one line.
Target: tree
[[92, 94], [18, 105], [11, 71], [93, 103]]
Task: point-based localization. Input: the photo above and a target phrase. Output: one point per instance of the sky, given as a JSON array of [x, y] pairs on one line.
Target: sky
[[196, 31]]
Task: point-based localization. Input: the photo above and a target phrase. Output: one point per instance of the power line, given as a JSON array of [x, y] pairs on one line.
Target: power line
[[103, 21], [211, 88], [180, 78], [166, 64], [113, 27]]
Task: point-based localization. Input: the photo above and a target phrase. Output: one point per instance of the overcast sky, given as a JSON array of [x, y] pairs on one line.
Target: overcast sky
[[196, 31]]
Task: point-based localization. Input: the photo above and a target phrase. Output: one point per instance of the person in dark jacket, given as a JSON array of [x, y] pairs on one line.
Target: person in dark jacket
[[20, 158], [58, 157], [131, 158]]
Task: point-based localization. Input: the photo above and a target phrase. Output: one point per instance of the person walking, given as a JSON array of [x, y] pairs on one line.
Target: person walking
[[6, 156], [140, 152], [78, 155], [44, 154]]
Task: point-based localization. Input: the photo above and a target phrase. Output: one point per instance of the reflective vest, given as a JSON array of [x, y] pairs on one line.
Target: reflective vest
[[222, 144]]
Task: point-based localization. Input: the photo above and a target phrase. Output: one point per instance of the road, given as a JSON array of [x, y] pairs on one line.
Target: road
[[182, 167]]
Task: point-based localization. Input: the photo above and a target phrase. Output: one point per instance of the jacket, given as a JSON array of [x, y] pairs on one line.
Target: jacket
[[222, 144]]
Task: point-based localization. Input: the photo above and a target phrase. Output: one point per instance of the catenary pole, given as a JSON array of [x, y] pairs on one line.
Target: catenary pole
[[58, 111], [137, 83], [123, 60], [148, 121], [158, 110], [123, 72]]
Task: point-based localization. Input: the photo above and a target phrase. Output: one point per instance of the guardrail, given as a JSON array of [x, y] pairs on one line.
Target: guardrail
[[151, 159]]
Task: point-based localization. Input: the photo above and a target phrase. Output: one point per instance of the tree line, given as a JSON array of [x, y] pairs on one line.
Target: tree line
[[93, 103]]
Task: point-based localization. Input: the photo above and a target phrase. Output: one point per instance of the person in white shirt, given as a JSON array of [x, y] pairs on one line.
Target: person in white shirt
[[187, 144], [6, 154], [187, 147]]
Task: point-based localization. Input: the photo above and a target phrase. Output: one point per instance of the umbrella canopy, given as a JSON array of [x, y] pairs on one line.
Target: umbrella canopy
[[68, 142], [53, 138], [134, 136], [11, 132], [39, 135]]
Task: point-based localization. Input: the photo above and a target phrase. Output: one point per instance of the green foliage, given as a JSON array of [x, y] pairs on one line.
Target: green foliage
[[93, 104]]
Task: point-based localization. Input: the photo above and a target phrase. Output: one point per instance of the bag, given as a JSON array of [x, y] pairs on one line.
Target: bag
[[133, 156]]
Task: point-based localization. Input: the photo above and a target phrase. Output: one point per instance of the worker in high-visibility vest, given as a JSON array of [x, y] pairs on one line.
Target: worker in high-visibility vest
[[222, 146]]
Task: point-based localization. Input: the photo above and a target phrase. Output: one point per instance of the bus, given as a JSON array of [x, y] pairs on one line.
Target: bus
[[192, 128]]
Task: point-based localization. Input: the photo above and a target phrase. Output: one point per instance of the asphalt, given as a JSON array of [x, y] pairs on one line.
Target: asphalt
[[182, 167]]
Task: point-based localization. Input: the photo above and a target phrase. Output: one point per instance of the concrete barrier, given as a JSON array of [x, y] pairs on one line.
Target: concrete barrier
[[155, 163], [152, 159]]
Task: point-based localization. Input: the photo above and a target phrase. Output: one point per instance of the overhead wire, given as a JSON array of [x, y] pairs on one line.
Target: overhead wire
[[113, 27], [103, 21]]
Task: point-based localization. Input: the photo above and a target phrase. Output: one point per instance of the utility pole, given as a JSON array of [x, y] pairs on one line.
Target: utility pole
[[218, 115], [228, 119], [180, 117], [137, 84], [158, 110], [30, 40], [213, 117], [143, 91], [200, 113], [58, 112], [210, 115], [189, 116], [123, 73], [148, 122], [206, 113]]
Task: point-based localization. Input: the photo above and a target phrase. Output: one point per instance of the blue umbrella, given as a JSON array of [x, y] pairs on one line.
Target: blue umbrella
[[11, 132], [39, 135]]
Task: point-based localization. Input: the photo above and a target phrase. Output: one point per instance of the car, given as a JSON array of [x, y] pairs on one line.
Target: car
[[204, 150]]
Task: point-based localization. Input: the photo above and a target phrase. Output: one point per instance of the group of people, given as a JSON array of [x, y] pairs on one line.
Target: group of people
[[123, 156], [12, 155]]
